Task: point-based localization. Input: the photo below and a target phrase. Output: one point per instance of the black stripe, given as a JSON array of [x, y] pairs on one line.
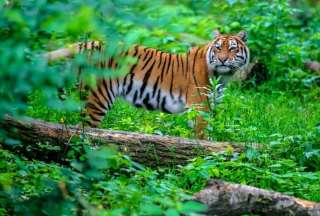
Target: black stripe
[[210, 53], [187, 64], [169, 63], [240, 56], [98, 101], [88, 123], [133, 67], [180, 95], [160, 59], [131, 76], [164, 66], [125, 81], [111, 88], [135, 96], [158, 98], [118, 84], [155, 86], [99, 113], [182, 66], [146, 78], [178, 63], [108, 90], [94, 107], [146, 63], [101, 93], [130, 84], [131, 72], [146, 103], [110, 62], [135, 50], [109, 102], [93, 92], [163, 105], [193, 72], [93, 118], [243, 51], [172, 76], [146, 54]]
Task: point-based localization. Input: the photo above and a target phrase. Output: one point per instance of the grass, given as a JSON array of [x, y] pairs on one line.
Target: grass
[[251, 116]]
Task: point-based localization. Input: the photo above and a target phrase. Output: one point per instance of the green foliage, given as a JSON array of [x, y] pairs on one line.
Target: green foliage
[[282, 114], [105, 182]]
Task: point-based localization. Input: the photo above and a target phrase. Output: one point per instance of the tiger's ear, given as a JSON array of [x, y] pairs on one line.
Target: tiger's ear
[[243, 35], [215, 33]]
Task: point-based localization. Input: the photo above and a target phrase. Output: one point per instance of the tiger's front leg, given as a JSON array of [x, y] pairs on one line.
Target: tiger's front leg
[[209, 103], [201, 123], [200, 102]]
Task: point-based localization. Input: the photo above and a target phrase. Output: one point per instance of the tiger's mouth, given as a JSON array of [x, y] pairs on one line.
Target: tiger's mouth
[[223, 69]]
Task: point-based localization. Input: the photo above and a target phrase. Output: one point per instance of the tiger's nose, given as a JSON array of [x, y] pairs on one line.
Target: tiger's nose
[[223, 59]]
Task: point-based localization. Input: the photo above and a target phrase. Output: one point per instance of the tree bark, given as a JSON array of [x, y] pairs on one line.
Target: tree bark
[[223, 198], [151, 150]]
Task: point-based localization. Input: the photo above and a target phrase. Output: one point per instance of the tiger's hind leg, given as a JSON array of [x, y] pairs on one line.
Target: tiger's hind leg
[[99, 101]]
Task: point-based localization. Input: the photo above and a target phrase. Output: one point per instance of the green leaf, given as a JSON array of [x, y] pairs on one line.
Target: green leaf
[[172, 212], [151, 209]]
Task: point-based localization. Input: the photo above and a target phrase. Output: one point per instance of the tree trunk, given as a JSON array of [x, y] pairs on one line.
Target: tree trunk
[[223, 198], [152, 150]]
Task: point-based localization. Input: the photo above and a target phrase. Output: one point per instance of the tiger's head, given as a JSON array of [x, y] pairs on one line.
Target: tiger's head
[[227, 53]]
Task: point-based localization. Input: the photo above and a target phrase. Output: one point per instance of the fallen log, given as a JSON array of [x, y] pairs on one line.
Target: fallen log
[[224, 198], [151, 150]]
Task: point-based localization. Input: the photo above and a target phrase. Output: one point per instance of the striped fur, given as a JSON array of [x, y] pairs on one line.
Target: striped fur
[[159, 80]]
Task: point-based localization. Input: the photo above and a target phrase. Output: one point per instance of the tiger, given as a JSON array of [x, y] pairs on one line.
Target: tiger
[[171, 83]]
